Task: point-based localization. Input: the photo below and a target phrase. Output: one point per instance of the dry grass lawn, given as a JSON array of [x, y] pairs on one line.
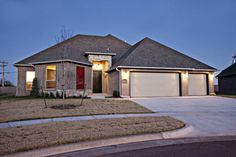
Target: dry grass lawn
[[14, 109], [48, 134], [227, 95]]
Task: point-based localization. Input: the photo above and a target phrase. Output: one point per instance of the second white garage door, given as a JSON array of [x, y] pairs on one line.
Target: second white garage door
[[154, 84], [197, 84]]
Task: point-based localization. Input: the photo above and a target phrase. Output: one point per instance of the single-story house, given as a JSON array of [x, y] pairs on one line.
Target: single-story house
[[103, 64], [227, 79]]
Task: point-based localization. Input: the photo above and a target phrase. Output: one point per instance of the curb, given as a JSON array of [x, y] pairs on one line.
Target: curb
[[178, 133], [70, 118], [54, 150], [153, 144]]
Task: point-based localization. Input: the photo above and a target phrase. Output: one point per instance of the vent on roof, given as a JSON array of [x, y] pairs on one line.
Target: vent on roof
[[234, 59]]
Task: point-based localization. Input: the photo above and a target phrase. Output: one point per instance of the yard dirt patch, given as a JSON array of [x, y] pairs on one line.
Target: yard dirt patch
[[14, 109], [56, 133]]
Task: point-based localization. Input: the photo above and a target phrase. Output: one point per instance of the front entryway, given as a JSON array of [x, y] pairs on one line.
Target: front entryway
[[97, 81]]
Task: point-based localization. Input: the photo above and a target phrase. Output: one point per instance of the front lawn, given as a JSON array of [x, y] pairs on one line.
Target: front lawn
[[227, 95], [22, 109], [56, 133]]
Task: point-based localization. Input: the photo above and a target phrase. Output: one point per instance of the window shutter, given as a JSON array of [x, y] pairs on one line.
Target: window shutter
[[80, 78]]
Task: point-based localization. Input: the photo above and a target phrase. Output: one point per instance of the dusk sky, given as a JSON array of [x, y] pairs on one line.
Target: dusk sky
[[202, 29]]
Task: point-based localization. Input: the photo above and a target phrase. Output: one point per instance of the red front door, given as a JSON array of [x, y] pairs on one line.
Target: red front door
[[80, 78]]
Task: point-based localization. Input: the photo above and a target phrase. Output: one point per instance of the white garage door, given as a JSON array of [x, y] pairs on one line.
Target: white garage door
[[154, 84], [197, 84]]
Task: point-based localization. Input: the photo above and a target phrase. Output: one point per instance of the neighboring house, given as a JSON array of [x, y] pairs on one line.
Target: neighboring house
[[103, 64], [227, 79]]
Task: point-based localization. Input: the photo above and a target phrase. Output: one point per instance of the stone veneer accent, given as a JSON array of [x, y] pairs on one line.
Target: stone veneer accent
[[92, 58]]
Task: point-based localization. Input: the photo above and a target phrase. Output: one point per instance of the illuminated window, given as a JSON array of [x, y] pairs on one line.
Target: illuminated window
[[30, 75], [51, 76]]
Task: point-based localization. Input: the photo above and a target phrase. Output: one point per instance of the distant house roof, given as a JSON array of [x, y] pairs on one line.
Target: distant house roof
[[149, 53], [231, 70], [76, 48]]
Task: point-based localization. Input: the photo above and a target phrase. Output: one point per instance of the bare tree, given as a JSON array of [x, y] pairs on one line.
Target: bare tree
[[63, 35]]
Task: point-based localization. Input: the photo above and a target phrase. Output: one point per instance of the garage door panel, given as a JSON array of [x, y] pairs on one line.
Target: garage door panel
[[197, 84], [154, 84]]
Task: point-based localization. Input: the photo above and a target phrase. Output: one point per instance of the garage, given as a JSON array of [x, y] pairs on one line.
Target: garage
[[144, 84], [197, 84]]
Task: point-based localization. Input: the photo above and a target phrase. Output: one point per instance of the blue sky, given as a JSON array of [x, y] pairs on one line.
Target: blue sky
[[203, 29]]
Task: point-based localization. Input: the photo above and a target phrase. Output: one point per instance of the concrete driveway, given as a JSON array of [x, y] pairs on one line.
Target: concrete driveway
[[209, 115]]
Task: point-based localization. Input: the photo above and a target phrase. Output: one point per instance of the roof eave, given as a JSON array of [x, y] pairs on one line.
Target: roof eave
[[100, 53], [53, 61], [22, 65], [163, 68]]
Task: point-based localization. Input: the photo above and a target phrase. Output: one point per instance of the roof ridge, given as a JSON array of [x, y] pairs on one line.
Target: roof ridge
[[112, 36], [53, 46], [126, 57], [56, 45], [176, 51], [91, 35], [126, 54]]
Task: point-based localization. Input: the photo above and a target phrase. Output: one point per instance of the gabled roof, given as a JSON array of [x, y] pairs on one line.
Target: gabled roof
[[231, 70], [76, 48], [149, 53]]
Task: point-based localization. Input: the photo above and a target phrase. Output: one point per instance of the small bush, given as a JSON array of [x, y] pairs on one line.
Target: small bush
[[116, 94], [35, 88], [52, 95], [7, 83], [64, 94], [41, 94], [58, 95], [46, 95]]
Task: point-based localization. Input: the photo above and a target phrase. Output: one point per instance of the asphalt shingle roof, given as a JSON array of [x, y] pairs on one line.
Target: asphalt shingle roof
[[76, 48], [145, 53], [231, 70], [149, 53]]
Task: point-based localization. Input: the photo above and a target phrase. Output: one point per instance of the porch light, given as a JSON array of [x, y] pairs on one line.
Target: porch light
[[97, 66], [185, 76], [211, 76], [125, 74]]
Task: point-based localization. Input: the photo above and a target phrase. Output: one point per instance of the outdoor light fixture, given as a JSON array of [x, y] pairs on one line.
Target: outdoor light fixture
[[97, 66], [211, 76], [185, 75], [125, 74]]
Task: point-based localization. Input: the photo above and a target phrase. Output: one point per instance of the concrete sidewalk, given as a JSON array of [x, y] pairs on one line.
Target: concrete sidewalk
[[73, 118]]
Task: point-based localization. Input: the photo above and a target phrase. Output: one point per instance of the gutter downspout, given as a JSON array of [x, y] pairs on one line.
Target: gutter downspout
[[119, 80]]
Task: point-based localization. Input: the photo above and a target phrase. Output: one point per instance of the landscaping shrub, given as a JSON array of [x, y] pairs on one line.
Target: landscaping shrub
[[46, 95], [58, 95], [62, 94], [52, 95], [35, 88], [41, 93], [116, 94], [7, 83]]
